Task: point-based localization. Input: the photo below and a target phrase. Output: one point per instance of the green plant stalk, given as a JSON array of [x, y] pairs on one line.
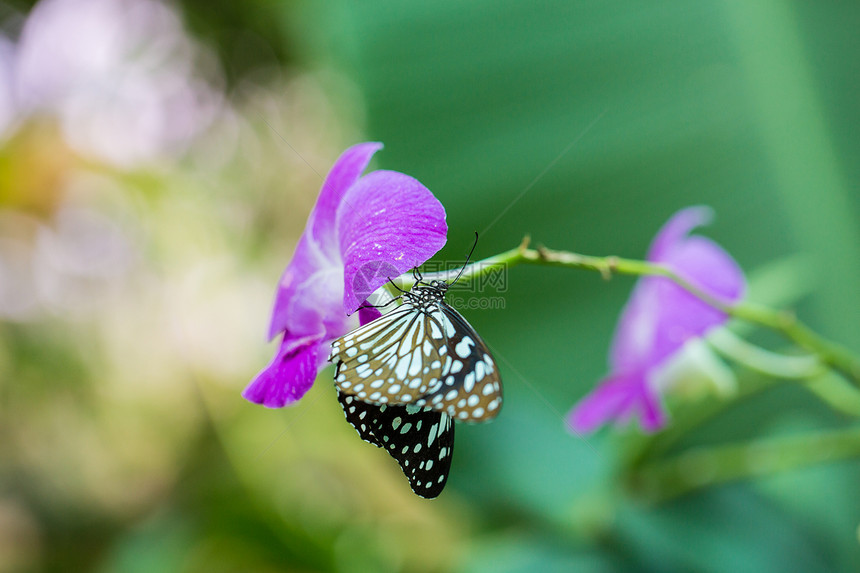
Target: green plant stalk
[[829, 353], [764, 361], [699, 468], [827, 384]]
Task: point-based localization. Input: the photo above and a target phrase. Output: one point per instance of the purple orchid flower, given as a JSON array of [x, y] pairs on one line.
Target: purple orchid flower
[[658, 320], [361, 231]]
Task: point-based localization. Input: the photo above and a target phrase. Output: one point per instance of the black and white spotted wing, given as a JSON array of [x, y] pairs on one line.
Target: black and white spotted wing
[[423, 353], [469, 389], [391, 360], [420, 439]]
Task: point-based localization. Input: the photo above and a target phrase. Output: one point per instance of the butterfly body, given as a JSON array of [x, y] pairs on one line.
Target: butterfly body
[[420, 362]]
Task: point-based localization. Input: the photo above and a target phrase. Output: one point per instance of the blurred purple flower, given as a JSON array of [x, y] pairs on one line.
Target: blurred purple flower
[[658, 320], [124, 80], [361, 231]]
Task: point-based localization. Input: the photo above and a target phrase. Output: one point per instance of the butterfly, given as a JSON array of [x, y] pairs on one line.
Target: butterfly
[[421, 366]]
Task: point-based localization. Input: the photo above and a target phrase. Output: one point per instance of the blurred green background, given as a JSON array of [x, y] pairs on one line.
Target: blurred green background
[[157, 164]]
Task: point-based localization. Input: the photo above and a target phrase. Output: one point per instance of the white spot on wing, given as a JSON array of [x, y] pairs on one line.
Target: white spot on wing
[[449, 327], [469, 382], [464, 347], [402, 368], [417, 362], [431, 435]]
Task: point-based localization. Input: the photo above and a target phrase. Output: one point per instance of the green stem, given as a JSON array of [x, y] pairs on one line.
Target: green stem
[[705, 467], [836, 392], [828, 385], [764, 361], [829, 353]]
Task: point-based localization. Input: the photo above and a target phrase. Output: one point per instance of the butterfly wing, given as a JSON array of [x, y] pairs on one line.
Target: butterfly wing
[[420, 439], [469, 388], [395, 359]]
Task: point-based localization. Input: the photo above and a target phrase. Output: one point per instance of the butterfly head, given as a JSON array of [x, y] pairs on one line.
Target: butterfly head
[[429, 293]]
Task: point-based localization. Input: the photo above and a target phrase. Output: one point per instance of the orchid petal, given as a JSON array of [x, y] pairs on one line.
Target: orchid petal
[[637, 328], [348, 168], [661, 316], [615, 397], [290, 374], [683, 315], [292, 311], [368, 314], [652, 415], [619, 398], [391, 223], [317, 252], [675, 230]]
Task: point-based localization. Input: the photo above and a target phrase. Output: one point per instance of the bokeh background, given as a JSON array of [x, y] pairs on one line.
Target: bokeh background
[[157, 164]]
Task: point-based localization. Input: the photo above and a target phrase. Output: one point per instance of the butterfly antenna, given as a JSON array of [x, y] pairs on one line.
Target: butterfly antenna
[[475, 244], [366, 305], [416, 274], [395, 286]]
